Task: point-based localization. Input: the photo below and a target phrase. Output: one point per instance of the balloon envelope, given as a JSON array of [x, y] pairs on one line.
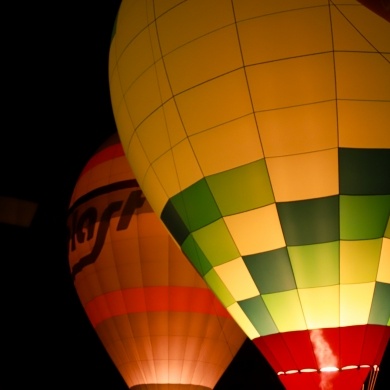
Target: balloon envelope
[[159, 322], [259, 133]]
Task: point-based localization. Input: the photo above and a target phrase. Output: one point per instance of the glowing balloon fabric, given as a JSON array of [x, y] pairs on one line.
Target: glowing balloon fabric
[[259, 133], [159, 322]]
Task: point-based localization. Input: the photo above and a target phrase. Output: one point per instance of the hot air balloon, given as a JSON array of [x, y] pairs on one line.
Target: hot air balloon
[[259, 133], [159, 322]]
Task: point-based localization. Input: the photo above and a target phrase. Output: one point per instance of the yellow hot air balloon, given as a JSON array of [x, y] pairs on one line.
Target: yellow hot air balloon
[[259, 133], [159, 322]]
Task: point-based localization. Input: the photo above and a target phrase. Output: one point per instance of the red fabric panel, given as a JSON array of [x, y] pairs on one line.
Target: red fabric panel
[[275, 350], [300, 342], [340, 380], [339, 347], [164, 298], [351, 342], [375, 342], [301, 381], [106, 154]]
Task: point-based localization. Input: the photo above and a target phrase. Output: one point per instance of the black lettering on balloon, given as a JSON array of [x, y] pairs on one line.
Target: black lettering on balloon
[[88, 219], [135, 200], [100, 237]]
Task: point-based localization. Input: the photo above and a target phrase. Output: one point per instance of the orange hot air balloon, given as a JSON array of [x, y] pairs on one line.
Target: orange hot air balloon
[[159, 322], [259, 132]]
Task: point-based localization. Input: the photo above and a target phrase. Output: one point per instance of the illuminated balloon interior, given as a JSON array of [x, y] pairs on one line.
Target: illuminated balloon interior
[[157, 319], [259, 133]]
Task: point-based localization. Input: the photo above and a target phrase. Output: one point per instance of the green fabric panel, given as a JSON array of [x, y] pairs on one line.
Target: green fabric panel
[[363, 217], [196, 206], [242, 189], [387, 232], [219, 288], [271, 271], [191, 249], [359, 260], [174, 223], [258, 314], [364, 171], [316, 265], [311, 221], [216, 243], [286, 310], [380, 308]]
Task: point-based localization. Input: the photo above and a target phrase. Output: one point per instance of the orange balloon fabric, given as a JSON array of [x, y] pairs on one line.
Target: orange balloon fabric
[[159, 322]]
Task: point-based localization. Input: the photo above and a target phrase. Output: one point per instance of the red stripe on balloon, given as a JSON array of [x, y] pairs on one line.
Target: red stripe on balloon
[[153, 299], [106, 154]]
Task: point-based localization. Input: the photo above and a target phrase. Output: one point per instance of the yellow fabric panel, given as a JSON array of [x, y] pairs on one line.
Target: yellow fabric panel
[[227, 146], [116, 96], [359, 260], [256, 231], [122, 116], [164, 88], [321, 306], [186, 164], [136, 156], [243, 321], [356, 117], [365, 25], [175, 130], [155, 144], [160, 7], [203, 59], [304, 176], [139, 48], [165, 169], [296, 130], [286, 310], [384, 265], [220, 100], [345, 34], [277, 43], [192, 19], [153, 190], [145, 95], [245, 9], [355, 303], [235, 275], [372, 71], [292, 82], [125, 31]]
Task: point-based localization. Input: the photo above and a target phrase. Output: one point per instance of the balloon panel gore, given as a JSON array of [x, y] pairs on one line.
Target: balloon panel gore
[[159, 322], [336, 356]]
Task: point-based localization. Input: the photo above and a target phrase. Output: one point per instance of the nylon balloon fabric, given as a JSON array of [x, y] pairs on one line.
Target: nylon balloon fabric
[[157, 319], [259, 133]]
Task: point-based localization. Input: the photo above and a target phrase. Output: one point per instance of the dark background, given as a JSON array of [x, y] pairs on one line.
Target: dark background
[[56, 113]]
